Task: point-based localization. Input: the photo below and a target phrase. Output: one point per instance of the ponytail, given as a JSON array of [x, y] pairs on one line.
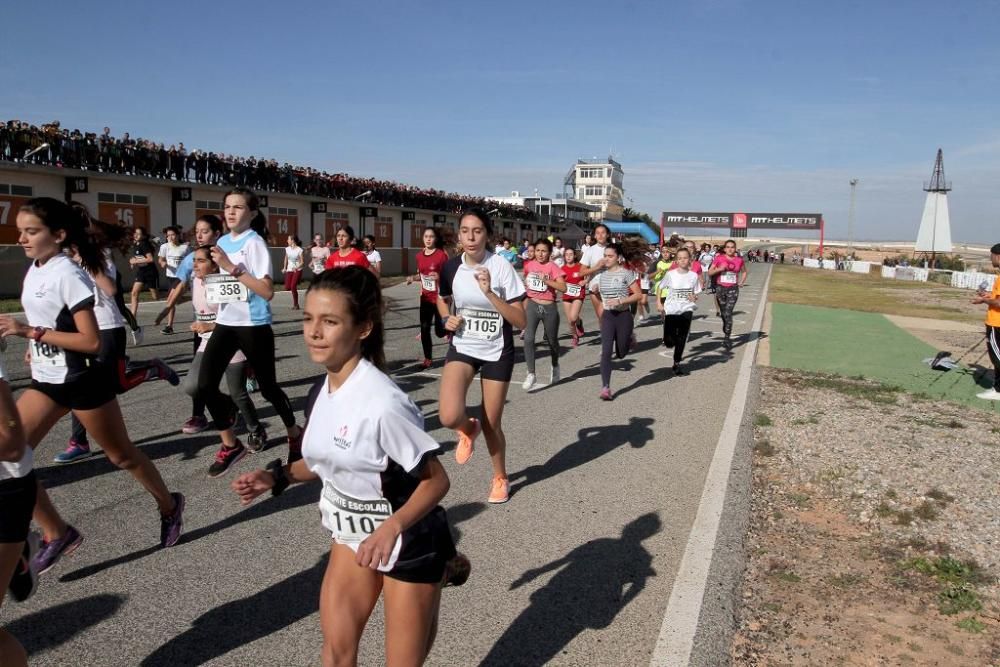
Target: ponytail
[[75, 222]]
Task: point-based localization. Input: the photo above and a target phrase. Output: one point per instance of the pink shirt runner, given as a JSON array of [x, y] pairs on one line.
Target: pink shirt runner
[[731, 267], [534, 270]]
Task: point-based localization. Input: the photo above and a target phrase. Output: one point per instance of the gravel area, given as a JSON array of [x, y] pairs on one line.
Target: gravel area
[[875, 526]]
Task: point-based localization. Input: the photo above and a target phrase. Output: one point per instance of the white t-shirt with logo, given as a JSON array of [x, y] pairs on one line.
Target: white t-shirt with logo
[[294, 258], [249, 250], [592, 255], [174, 254], [14, 469], [105, 308], [51, 294], [484, 333], [353, 437], [680, 286]]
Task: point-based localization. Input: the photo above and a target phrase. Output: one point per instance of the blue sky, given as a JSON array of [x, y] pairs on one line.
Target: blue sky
[[712, 105]]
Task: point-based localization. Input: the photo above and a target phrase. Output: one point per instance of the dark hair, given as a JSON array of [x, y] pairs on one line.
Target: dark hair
[[104, 234], [143, 230], [995, 250], [60, 216], [545, 242], [728, 241], [253, 203], [683, 249], [172, 228], [483, 217], [295, 238], [350, 232], [364, 300], [370, 237], [631, 249], [572, 250], [259, 225], [438, 241], [606, 230], [213, 221]]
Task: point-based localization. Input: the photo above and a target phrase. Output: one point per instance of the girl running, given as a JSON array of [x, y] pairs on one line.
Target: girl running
[[682, 286], [430, 264], [18, 488], [236, 372], [594, 264], [292, 268], [171, 254], [542, 280], [557, 252], [318, 254], [373, 256], [619, 289], [731, 273], [58, 300], [142, 262], [575, 290], [382, 481], [486, 293], [346, 254], [243, 291]]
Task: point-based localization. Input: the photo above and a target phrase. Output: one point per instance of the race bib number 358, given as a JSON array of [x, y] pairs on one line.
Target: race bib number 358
[[225, 289]]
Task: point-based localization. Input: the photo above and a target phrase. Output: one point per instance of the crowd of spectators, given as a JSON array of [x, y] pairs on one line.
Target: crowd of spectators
[[53, 144]]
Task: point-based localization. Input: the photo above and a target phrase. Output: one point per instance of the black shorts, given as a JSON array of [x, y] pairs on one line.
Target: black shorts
[[17, 502], [172, 283], [500, 370], [89, 390], [427, 548], [149, 277]]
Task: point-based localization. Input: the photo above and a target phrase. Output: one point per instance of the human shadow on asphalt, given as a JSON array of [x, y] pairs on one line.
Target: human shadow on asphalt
[[240, 622], [461, 513], [594, 582], [53, 626], [295, 496], [592, 443]]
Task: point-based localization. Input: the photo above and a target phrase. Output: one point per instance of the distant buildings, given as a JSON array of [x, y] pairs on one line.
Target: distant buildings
[[599, 183]]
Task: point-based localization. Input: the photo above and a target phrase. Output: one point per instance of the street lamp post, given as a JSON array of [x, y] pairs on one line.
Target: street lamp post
[[850, 219]]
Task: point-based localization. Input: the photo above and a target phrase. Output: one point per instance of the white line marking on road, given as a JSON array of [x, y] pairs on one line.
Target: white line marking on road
[[680, 621]]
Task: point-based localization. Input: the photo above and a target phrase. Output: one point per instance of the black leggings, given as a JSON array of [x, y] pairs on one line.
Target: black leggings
[[428, 315], [257, 343], [727, 297], [675, 333], [993, 346], [616, 330]]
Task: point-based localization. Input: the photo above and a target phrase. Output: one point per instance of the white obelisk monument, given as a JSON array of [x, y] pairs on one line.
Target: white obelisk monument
[[935, 227]]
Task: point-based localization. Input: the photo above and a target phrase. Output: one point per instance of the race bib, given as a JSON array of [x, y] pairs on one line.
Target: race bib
[[428, 283], [678, 294], [573, 290], [480, 324], [173, 262], [728, 277], [351, 519], [43, 354], [644, 283], [535, 283], [225, 289]]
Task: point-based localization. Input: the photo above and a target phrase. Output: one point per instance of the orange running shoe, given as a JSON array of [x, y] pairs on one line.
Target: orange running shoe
[[500, 490], [466, 443]]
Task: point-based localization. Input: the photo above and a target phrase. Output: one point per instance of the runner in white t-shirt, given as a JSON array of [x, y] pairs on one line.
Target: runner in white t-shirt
[[63, 339], [170, 257], [486, 294], [372, 254], [592, 264], [381, 479], [682, 286], [319, 252], [294, 258]]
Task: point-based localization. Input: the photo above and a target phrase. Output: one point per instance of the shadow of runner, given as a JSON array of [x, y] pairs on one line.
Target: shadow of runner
[[53, 626], [596, 581], [234, 624], [592, 443]]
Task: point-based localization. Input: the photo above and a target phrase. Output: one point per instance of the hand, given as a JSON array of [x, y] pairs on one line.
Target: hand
[[376, 549], [659, 307], [979, 299], [220, 257], [483, 276], [10, 326], [201, 327], [453, 323], [250, 485]]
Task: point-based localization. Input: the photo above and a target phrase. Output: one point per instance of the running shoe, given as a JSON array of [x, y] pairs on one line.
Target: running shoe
[[499, 490], [426, 363], [75, 451], [167, 330], [605, 393], [521, 335], [51, 552], [529, 382], [170, 526], [257, 439], [456, 571], [727, 343], [137, 336], [295, 447], [195, 424], [576, 337], [24, 581], [466, 443], [555, 376], [678, 370], [225, 458], [252, 385], [579, 326], [632, 342], [164, 372], [989, 395]]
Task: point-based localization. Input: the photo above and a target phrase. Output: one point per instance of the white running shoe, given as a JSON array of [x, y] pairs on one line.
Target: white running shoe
[[529, 382], [555, 375], [989, 395], [137, 336]]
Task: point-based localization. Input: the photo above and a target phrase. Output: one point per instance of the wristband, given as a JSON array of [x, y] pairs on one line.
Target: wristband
[[37, 333], [238, 271], [280, 479]]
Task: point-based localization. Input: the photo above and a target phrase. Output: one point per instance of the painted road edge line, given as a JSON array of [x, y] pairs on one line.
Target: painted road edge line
[[680, 620]]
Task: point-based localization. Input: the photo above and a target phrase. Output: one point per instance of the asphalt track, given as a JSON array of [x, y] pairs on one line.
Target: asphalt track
[[575, 570]]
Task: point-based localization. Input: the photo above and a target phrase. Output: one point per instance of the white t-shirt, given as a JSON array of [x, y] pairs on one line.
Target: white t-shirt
[[317, 258], [557, 256], [294, 257], [591, 256], [374, 257], [485, 333], [680, 286], [173, 254], [105, 309], [353, 438], [51, 294], [14, 469], [249, 250]]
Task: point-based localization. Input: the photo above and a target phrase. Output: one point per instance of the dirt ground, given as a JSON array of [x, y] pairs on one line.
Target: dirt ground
[[874, 529]]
